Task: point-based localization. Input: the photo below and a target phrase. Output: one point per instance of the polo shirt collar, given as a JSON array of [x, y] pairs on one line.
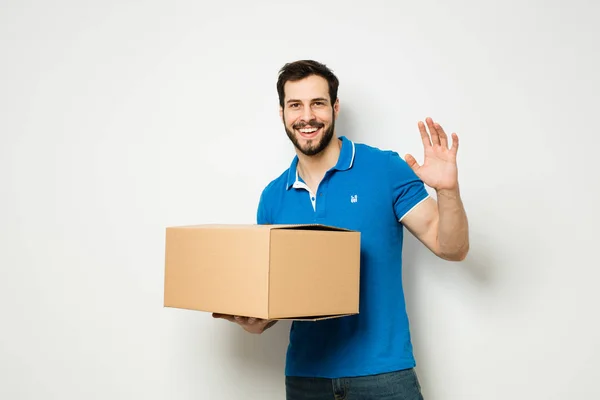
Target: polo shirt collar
[[344, 162]]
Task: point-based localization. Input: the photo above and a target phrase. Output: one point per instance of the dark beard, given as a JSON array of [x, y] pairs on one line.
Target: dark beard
[[312, 149]]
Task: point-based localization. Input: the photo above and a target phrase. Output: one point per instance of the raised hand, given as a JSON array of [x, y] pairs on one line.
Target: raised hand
[[252, 325], [439, 170]]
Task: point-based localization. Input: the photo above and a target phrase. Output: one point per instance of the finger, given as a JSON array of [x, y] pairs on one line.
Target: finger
[[442, 135], [410, 160], [454, 143], [424, 135], [224, 316], [435, 138], [251, 321]]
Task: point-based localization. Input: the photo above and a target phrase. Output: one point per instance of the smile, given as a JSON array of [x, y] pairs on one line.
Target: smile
[[308, 132]]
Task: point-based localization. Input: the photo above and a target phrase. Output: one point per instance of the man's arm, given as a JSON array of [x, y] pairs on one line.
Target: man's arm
[[441, 226]]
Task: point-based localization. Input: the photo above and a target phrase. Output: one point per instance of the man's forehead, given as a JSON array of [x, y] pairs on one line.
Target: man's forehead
[[309, 84]]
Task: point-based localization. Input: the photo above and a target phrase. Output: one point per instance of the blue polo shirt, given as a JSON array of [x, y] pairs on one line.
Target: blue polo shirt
[[369, 190]]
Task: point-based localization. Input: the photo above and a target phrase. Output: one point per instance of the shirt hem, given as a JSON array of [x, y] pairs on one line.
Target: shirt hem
[[425, 197], [350, 373]]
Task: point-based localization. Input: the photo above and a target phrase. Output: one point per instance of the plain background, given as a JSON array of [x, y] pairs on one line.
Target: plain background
[[119, 118]]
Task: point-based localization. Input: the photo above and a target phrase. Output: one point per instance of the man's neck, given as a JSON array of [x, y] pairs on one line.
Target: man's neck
[[312, 169]]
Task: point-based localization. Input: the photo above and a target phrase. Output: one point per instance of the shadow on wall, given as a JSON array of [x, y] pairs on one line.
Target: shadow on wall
[[343, 124], [352, 124], [478, 269], [264, 353]]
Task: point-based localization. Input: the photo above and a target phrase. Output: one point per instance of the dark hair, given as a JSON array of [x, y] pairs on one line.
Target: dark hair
[[301, 69]]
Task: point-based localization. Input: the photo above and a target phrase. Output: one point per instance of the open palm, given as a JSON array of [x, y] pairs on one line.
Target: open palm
[[439, 170]]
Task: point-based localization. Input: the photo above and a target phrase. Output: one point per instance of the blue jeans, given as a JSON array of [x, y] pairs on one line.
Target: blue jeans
[[399, 385]]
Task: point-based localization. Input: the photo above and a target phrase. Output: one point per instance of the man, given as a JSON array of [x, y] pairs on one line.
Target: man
[[336, 182]]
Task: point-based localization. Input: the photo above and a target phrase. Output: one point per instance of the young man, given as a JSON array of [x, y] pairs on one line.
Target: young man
[[334, 181]]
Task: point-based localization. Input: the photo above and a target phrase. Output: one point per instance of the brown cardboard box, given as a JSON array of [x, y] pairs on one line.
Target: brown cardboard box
[[265, 271]]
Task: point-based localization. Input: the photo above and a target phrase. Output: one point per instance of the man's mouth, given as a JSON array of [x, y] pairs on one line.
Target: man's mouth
[[309, 132]]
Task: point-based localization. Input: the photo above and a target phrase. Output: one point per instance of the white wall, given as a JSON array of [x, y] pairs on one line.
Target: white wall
[[118, 119]]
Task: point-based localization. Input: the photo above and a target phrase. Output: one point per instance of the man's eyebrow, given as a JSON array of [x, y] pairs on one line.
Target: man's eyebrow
[[299, 101]]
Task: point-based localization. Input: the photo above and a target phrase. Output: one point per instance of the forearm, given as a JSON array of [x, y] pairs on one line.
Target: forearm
[[453, 229]]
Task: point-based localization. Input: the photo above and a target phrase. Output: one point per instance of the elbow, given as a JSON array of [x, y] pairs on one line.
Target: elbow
[[461, 256], [457, 255]]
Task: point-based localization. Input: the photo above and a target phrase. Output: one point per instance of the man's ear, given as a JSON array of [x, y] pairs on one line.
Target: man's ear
[[336, 107], [280, 112]]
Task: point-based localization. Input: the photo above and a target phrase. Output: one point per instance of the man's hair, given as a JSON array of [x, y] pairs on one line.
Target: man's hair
[[301, 69]]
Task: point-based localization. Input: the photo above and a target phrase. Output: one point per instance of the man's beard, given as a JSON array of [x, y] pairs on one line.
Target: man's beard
[[312, 148]]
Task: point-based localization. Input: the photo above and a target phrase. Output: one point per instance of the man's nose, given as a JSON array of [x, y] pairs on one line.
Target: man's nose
[[308, 114]]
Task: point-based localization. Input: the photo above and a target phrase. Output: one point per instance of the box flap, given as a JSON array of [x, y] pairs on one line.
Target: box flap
[[316, 318], [316, 227], [223, 226], [264, 227]]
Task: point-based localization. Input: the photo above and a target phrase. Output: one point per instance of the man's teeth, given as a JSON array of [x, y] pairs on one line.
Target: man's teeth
[[308, 130]]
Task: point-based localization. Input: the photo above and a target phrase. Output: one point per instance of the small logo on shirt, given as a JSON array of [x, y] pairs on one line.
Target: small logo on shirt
[[354, 198]]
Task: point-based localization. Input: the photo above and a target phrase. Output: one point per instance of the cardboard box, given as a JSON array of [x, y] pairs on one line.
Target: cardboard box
[[302, 272]]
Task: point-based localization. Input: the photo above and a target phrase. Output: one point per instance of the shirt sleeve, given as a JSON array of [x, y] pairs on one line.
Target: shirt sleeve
[[407, 189]]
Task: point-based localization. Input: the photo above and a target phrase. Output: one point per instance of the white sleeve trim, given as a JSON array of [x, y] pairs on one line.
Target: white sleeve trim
[[413, 207]]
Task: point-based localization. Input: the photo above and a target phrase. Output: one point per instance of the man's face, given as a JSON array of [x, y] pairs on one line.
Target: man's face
[[308, 115]]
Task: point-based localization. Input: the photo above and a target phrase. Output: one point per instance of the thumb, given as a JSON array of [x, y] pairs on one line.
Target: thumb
[[410, 160]]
